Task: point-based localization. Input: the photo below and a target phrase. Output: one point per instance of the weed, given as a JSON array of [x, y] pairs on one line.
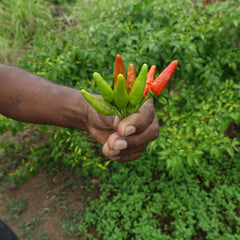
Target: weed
[[70, 223], [29, 232], [16, 207]]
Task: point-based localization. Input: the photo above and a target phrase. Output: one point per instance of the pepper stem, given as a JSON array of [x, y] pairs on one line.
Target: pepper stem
[[119, 114], [125, 111]]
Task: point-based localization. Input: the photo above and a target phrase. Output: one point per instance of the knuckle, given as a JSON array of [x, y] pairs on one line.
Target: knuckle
[[132, 142], [140, 123]]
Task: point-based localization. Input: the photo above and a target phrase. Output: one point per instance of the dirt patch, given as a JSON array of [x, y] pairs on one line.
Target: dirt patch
[[233, 131], [49, 200], [46, 207]]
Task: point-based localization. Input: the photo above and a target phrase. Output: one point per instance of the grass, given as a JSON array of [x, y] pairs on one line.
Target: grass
[[20, 21], [31, 230]]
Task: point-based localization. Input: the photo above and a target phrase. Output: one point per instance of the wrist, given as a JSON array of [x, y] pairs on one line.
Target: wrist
[[73, 111]]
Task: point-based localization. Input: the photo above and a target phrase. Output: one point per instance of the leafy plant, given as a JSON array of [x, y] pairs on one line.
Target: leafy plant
[[7, 124], [186, 184]]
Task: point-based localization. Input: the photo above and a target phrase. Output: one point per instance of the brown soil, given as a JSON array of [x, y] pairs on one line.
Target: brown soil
[[233, 131], [49, 199]]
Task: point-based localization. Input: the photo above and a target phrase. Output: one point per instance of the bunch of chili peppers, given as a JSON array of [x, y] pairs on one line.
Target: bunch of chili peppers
[[130, 93]]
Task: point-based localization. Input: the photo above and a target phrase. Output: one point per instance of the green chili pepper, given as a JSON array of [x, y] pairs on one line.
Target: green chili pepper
[[135, 95], [99, 104], [120, 92], [105, 89]]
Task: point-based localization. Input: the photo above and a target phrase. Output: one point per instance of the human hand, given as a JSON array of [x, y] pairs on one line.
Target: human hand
[[124, 140]]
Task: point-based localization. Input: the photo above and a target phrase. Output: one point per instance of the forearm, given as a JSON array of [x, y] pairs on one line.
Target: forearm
[[27, 97]]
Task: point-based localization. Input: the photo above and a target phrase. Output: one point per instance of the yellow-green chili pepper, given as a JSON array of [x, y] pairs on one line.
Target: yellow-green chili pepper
[[105, 89], [120, 94], [136, 93], [99, 104]]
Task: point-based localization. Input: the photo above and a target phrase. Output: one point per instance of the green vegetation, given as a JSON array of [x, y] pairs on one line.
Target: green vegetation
[[16, 207], [186, 184], [29, 232]]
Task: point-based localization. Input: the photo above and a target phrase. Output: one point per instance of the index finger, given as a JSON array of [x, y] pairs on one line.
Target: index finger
[[137, 122]]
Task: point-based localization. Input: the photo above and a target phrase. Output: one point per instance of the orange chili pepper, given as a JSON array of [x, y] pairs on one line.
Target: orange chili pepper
[[160, 82], [119, 68], [131, 77], [150, 78]]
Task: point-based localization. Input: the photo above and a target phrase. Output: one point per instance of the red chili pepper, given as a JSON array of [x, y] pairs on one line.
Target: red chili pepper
[[131, 77], [119, 68], [160, 82], [150, 78]]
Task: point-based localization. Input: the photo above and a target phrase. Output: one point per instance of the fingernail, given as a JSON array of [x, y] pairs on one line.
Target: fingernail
[[114, 153], [120, 145], [130, 130]]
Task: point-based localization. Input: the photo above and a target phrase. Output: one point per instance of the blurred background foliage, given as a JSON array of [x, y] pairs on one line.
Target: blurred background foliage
[[186, 184]]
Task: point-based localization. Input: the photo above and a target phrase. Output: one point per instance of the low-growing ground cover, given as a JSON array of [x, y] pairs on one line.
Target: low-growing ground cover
[[186, 184]]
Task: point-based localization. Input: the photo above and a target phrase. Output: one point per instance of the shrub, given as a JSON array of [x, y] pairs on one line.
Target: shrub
[[186, 184], [204, 39]]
